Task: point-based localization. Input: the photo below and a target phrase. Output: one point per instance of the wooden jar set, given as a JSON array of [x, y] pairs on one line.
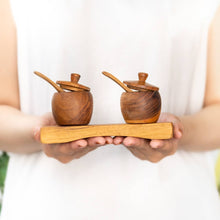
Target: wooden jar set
[[140, 103], [72, 105]]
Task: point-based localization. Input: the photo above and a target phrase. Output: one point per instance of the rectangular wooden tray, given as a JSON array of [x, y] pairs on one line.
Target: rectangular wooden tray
[[64, 134]]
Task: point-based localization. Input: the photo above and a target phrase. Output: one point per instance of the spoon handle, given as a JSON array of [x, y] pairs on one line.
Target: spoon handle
[[109, 75], [59, 134], [49, 81]]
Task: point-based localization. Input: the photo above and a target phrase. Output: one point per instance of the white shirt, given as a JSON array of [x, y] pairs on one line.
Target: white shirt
[[168, 40]]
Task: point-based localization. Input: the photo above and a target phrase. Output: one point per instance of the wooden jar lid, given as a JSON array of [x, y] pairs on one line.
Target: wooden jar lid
[[141, 85], [73, 85]]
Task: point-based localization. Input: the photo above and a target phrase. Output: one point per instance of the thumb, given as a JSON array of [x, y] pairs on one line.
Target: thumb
[[36, 134], [177, 129]]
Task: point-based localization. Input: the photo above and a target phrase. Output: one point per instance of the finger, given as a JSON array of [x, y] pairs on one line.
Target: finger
[[80, 153], [177, 129], [65, 158], [155, 144], [67, 149], [168, 148], [140, 148], [60, 150], [47, 149], [79, 144], [71, 148], [96, 141], [108, 140], [134, 142], [177, 124], [54, 150], [137, 153], [63, 150], [118, 140], [36, 134]]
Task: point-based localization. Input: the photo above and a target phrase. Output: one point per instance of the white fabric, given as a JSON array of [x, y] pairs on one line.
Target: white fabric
[[168, 39]]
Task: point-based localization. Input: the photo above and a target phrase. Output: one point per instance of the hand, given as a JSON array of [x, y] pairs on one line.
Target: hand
[[154, 150], [66, 152]]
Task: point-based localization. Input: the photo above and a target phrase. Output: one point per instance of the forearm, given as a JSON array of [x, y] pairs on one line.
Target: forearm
[[16, 131], [201, 130]]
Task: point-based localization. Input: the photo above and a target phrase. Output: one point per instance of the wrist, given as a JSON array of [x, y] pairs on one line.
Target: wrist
[[16, 131], [29, 125], [186, 139], [33, 127]]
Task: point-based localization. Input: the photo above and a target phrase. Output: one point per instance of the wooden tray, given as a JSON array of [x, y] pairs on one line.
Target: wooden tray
[[64, 134]]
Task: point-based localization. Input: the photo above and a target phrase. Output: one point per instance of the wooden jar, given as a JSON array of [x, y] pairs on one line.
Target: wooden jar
[[141, 103], [72, 104], [72, 108], [141, 107]]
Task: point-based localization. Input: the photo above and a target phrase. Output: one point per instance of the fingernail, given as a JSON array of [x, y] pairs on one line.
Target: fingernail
[[179, 134]]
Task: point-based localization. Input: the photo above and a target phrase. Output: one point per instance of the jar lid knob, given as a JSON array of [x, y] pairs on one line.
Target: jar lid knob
[[142, 78]]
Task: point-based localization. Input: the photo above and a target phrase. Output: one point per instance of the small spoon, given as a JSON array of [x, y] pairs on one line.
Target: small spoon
[[109, 75], [49, 81]]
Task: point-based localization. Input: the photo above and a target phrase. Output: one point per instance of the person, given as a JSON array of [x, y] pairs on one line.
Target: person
[[177, 42]]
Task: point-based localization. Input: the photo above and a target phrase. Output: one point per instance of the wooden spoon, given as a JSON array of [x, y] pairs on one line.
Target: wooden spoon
[[49, 81], [109, 75]]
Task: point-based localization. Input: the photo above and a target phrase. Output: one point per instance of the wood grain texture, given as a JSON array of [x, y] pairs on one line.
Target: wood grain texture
[[49, 81], [74, 79], [57, 134], [70, 88], [141, 85], [72, 108], [110, 76], [70, 85], [141, 107]]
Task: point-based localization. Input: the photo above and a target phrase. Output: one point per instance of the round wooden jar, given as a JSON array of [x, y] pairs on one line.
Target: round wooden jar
[[72, 108], [141, 107]]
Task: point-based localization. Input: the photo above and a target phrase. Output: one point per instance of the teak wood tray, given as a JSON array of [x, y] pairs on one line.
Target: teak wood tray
[[64, 134]]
